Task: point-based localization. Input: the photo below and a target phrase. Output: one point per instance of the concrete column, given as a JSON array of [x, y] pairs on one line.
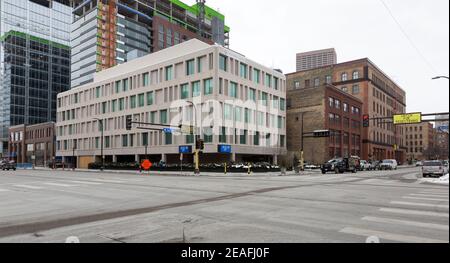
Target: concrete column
[[275, 159], [164, 157], [136, 157], [233, 157], [114, 158]]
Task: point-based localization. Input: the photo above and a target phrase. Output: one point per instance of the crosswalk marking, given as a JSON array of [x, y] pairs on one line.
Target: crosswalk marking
[[389, 236], [108, 181], [434, 192], [424, 198], [430, 195], [405, 222], [413, 212], [418, 204], [58, 184], [28, 186], [85, 182]]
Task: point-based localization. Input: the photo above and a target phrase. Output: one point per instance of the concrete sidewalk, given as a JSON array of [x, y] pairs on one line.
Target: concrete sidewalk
[[186, 173]]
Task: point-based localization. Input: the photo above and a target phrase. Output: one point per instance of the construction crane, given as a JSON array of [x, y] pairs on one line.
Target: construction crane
[[201, 16]]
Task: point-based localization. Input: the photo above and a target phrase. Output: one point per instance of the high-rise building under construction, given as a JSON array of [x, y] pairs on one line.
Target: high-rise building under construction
[[110, 32]]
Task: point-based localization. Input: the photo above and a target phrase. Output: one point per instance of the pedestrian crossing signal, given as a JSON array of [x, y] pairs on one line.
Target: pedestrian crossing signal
[[366, 121]]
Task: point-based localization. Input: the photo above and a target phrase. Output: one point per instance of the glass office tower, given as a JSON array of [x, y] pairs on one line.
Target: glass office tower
[[34, 61]]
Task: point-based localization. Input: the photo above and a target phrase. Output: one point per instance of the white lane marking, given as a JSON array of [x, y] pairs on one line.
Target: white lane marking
[[389, 236], [85, 182], [434, 192], [430, 195], [4, 190], [58, 184], [108, 181], [418, 204], [28, 186], [404, 222], [413, 212], [424, 198]]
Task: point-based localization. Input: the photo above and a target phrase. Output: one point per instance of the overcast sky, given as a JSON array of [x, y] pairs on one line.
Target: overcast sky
[[272, 32]]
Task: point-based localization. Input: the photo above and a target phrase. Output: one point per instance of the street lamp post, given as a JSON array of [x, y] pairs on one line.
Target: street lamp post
[[101, 142], [302, 159], [196, 151]]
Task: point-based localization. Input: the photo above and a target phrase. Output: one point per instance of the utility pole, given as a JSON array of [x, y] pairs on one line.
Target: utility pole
[[302, 159]]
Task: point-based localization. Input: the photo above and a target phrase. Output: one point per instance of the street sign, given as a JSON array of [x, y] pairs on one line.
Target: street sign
[[146, 164], [187, 129], [321, 133], [221, 148], [408, 118], [168, 130], [185, 149]]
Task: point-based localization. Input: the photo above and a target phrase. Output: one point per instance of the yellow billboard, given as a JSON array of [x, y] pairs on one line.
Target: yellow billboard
[[408, 118]]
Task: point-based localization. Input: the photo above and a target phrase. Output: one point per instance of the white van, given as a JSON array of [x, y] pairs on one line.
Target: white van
[[388, 164]]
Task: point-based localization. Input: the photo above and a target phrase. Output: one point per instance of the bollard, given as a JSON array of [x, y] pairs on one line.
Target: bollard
[[225, 167], [249, 169]]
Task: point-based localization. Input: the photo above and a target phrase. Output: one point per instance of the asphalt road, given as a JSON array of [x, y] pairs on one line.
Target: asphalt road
[[49, 206]]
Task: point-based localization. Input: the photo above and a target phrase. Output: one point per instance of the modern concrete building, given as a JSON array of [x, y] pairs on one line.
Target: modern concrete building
[[238, 103], [106, 33], [323, 108], [33, 144], [380, 95], [316, 59], [34, 61], [418, 139], [441, 136]]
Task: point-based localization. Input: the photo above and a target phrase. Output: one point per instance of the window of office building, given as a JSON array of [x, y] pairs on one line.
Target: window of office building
[[252, 94], [149, 98], [125, 84], [344, 77], [145, 79], [233, 89], [223, 62], [163, 116], [185, 92], [256, 76], [121, 104], [190, 69], [208, 87], [316, 82], [355, 89], [328, 79], [133, 102], [243, 70], [196, 89], [141, 100], [238, 114], [169, 73], [355, 74], [228, 112]]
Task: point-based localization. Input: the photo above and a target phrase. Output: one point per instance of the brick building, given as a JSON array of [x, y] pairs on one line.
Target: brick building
[[323, 108], [32, 143], [381, 97], [418, 139]]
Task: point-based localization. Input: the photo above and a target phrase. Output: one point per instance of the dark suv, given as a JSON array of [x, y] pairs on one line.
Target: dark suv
[[8, 165], [340, 165]]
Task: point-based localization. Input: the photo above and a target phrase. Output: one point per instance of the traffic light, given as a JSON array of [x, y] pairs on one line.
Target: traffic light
[[322, 133], [129, 123], [200, 144], [366, 121]]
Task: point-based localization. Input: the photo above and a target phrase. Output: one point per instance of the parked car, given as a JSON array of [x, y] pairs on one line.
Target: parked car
[[341, 165], [364, 165], [8, 165], [388, 164], [374, 165], [330, 165], [434, 168], [419, 163]]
